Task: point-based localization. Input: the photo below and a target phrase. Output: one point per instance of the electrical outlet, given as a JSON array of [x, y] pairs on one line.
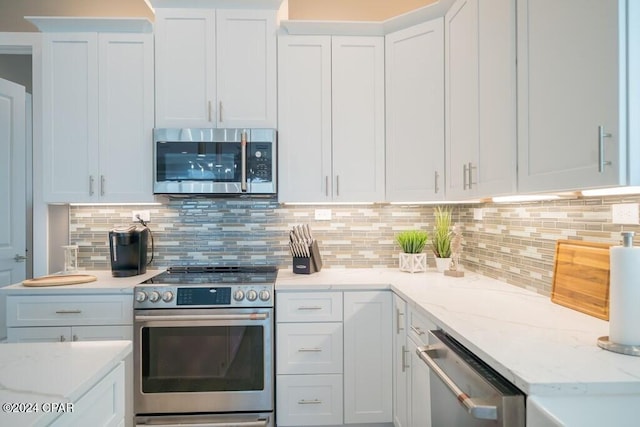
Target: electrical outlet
[[625, 213], [323, 214], [144, 215], [478, 214]]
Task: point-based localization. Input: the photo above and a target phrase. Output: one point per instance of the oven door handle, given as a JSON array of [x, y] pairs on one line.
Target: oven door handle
[[259, 423], [474, 406], [191, 317]]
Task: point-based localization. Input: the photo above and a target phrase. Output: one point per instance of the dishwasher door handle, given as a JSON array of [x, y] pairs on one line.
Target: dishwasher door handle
[[474, 406]]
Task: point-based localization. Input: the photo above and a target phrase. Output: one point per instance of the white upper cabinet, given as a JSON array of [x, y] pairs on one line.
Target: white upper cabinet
[[415, 113], [572, 94], [331, 118], [480, 98], [97, 117], [215, 68]]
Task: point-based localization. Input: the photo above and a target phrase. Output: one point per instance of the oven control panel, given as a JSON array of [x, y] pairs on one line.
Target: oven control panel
[[203, 296]]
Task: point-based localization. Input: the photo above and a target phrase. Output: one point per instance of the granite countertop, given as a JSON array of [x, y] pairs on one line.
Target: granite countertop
[[543, 348], [105, 283], [43, 373]]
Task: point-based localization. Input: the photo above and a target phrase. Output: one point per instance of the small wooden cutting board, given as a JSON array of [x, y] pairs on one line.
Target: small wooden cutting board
[[581, 277], [60, 280]]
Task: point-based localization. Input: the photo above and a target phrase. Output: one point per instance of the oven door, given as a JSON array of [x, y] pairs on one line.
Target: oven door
[[203, 360]]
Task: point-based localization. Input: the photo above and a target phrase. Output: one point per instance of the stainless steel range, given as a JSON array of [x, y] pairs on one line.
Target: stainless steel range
[[203, 347]]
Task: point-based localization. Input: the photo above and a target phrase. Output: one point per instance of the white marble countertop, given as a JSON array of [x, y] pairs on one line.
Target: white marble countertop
[[43, 373], [105, 283], [543, 348]]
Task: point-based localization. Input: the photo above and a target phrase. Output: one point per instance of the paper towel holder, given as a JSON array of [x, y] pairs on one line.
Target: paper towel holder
[[604, 342]]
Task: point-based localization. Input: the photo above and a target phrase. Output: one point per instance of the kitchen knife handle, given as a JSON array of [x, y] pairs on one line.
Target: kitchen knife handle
[[601, 136]]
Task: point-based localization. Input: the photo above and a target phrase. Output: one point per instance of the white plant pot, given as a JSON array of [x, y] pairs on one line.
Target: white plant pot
[[442, 264], [413, 263]]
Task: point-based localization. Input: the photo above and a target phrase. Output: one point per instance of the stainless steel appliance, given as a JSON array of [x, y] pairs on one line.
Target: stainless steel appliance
[[203, 347], [464, 391], [215, 161], [128, 247]]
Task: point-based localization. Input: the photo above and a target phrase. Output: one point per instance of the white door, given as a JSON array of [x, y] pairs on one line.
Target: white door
[[13, 189]]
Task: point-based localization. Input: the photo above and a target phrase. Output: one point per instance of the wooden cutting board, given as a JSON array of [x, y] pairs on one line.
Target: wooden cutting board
[[581, 277], [60, 280]]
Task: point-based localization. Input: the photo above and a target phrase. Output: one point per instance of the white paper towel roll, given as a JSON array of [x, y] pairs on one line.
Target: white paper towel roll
[[624, 295]]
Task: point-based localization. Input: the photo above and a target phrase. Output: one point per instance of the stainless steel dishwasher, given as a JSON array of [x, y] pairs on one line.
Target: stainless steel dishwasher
[[464, 391]]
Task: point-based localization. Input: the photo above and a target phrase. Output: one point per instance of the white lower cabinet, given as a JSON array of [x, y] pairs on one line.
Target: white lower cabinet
[[333, 372], [102, 405]]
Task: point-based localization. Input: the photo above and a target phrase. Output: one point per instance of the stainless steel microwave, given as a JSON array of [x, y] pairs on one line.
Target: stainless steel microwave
[[208, 161]]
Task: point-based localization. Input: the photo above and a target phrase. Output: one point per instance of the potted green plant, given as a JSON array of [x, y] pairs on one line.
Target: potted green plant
[[412, 258], [441, 238]]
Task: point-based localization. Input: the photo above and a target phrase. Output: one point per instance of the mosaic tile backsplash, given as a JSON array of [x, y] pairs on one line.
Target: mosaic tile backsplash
[[513, 242]]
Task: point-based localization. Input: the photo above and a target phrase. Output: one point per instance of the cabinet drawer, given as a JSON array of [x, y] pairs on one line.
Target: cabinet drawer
[[418, 326], [309, 306], [309, 400], [69, 310], [309, 348]]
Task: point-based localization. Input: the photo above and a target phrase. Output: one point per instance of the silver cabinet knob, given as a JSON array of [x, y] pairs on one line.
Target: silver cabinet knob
[[252, 295]]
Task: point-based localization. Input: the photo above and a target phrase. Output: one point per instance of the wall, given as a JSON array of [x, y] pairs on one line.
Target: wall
[[514, 242]]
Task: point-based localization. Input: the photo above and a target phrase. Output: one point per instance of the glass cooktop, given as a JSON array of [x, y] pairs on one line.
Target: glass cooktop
[[206, 275]]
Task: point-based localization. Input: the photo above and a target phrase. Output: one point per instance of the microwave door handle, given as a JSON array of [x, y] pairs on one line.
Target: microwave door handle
[[474, 407], [243, 161]]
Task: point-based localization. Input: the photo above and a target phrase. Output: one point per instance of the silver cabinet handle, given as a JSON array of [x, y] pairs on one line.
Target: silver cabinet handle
[[309, 307], [220, 110], [326, 185], [417, 330], [309, 350], [398, 314], [476, 409], [74, 338], [404, 359], [436, 178], [470, 169], [601, 136], [337, 185], [309, 402], [74, 311], [464, 177], [243, 160], [102, 183], [19, 258], [91, 185], [62, 338], [209, 111]]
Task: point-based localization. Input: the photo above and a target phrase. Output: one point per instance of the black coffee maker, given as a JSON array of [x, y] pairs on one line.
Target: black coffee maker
[[128, 250]]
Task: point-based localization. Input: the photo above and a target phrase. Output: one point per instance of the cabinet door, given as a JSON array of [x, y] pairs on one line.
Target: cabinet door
[[304, 115], [357, 109], [496, 172], [126, 117], [101, 333], [39, 334], [368, 357], [461, 98], [414, 59], [70, 117], [185, 68], [246, 68], [568, 79], [400, 363]]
